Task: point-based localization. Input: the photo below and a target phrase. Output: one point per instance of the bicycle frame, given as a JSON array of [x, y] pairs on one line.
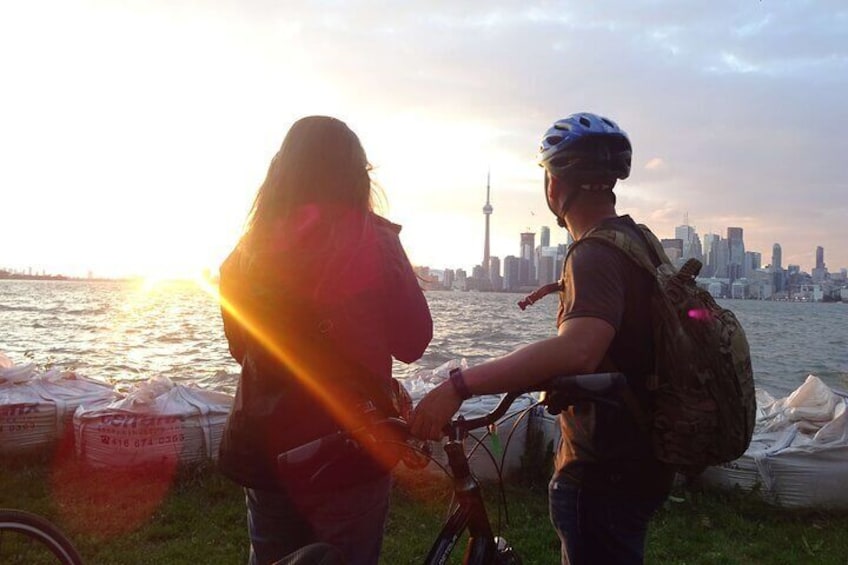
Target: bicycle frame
[[470, 512], [483, 548]]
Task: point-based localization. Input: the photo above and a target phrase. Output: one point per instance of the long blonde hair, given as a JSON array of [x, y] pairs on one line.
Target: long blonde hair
[[320, 161]]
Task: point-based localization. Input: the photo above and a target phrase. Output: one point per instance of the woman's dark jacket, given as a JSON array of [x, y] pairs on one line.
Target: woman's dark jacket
[[314, 315]]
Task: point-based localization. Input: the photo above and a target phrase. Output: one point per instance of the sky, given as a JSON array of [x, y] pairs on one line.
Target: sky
[[134, 134]]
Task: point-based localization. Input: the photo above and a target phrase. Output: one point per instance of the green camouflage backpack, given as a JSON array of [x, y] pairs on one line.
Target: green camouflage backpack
[[703, 403]]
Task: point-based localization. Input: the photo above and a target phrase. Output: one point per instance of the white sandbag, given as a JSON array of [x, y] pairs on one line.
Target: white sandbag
[[812, 402], [36, 410], [548, 424], [27, 421], [791, 477], [512, 428], [793, 462], [156, 422], [422, 382], [5, 362], [15, 374]]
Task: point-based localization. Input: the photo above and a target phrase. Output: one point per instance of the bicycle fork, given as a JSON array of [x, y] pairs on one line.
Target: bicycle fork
[[470, 512]]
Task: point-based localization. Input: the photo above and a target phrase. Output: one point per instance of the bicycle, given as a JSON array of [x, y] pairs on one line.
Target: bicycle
[[469, 510], [29, 538]]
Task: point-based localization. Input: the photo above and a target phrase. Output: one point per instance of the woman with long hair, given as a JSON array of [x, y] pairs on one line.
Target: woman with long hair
[[317, 299]]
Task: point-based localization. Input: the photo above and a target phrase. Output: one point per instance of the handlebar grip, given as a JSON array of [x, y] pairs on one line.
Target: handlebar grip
[[595, 383], [313, 457], [605, 388], [317, 450]]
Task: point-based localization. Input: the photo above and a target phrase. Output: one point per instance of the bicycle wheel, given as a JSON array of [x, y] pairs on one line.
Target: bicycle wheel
[[29, 538]]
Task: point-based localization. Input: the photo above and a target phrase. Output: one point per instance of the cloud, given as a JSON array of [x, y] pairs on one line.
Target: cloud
[[655, 164], [743, 101]]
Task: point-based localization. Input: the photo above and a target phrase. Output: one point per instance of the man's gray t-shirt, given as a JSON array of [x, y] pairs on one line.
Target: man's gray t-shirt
[[604, 447]]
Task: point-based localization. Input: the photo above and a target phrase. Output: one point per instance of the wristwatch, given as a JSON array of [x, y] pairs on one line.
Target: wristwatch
[[455, 377]]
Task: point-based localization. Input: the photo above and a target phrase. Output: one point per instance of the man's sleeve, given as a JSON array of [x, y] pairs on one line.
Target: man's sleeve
[[595, 283]]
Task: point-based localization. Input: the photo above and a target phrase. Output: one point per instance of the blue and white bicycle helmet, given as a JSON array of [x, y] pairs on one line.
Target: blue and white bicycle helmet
[[588, 147]]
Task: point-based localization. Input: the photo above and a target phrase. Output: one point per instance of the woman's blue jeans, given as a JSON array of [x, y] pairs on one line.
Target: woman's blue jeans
[[350, 519], [595, 527]]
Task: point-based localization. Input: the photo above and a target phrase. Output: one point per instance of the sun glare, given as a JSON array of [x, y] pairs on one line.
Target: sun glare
[[155, 282]]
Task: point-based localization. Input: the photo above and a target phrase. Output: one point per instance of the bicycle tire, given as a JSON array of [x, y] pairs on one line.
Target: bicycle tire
[[41, 530]]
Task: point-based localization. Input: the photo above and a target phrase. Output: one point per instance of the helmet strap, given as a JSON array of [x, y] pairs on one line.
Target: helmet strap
[[570, 198]]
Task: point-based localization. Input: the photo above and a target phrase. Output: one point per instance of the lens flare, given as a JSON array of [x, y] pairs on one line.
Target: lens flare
[[700, 314]]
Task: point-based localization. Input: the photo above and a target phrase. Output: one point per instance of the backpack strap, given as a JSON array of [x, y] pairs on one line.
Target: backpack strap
[[540, 293], [647, 251]]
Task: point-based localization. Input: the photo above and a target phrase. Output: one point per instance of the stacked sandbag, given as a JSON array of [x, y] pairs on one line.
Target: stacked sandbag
[[36, 408], [506, 442], [798, 454], [548, 426], [156, 422]]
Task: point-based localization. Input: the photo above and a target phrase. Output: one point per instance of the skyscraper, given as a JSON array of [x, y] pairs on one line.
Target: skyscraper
[[495, 273], [778, 276], [776, 258], [528, 250], [487, 211], [691, 241], [711, 243], [511, 272], [819, 272], [720, 250], [545, 236], [736, 259]]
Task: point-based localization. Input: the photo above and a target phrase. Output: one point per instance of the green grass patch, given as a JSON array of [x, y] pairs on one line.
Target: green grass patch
[[195, 515]]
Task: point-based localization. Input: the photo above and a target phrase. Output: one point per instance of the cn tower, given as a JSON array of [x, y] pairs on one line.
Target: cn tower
[[487, 211]]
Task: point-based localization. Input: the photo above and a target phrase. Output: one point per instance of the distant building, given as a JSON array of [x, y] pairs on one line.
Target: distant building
[[776, 258], [674, 249], [710, 251], [449, 278], [736, 249], [546, 259], [546, 268], [495, 273], [545, 236], [528, 248], [461, 280], [511, 272], [753, 261], [820, 271], [691, 243]]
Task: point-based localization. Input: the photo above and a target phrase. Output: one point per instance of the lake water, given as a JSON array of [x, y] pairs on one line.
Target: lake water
[[124, 332]]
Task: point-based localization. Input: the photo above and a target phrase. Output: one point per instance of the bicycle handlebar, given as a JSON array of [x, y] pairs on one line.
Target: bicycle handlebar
[[593, 386], [330, 448]]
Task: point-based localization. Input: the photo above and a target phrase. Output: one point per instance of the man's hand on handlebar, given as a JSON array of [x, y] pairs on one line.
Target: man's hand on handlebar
[[434, 412]]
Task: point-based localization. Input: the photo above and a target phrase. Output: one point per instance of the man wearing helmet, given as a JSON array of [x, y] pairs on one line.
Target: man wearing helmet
[[607, 483]]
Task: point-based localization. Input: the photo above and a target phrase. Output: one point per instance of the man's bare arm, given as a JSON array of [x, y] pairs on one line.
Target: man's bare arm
[[579, 348]]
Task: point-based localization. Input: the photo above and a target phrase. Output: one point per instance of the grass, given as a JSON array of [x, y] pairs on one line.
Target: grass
[[195, 515]]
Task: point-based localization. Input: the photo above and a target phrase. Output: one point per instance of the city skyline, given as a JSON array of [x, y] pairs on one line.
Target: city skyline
[[692, 244], [126, 157], [819, 251], [726, 268], [818, 254]]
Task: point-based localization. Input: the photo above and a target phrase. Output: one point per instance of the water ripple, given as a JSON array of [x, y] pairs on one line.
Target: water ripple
[[117, 332]]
